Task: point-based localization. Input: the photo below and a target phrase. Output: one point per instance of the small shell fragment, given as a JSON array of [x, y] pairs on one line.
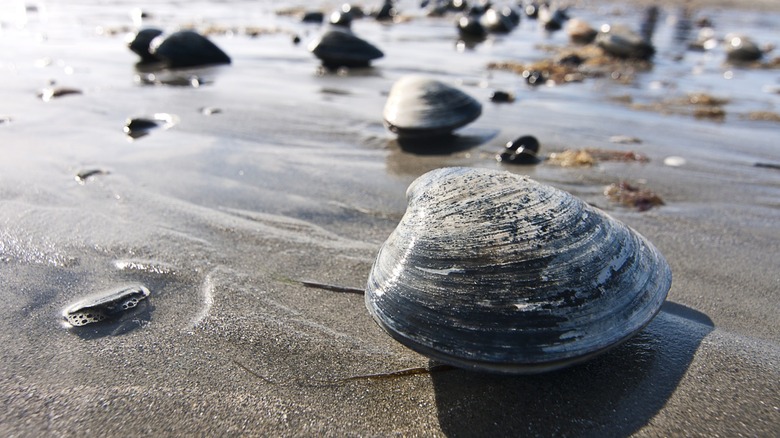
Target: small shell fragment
[[50, 93], [141, 126], [105, 306], [84, 175]]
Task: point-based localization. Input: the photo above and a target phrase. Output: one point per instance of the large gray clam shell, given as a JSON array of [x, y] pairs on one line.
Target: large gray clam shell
[[418, 106], [493, 271], [341, 48]]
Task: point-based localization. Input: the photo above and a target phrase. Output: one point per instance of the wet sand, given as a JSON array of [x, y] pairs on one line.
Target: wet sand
[[222, 217]]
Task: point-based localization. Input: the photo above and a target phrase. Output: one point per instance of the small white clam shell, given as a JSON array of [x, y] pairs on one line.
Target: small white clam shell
[[492, 271], [418, 106]]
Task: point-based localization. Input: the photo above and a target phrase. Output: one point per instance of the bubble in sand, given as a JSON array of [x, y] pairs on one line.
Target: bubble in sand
[[105, 306]]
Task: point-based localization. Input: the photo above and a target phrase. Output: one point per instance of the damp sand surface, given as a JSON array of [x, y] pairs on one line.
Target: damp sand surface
[[268, 173]]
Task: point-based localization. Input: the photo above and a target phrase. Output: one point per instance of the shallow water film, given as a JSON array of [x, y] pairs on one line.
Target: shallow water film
[[244, 197]]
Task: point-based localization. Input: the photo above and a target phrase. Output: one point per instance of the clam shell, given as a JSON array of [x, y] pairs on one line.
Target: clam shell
[[493, 271], [341, 48], [471, 27], [622, 42], [141, 42], [107, 305], [187, 48], [418, 106], [740, 48]]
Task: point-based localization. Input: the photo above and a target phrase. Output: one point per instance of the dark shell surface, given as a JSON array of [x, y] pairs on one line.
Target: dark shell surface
[[105, 306], [499, 96], [492, 271], [342, 48], [141, 42], [386, 12], [187, 48], [470, 27]]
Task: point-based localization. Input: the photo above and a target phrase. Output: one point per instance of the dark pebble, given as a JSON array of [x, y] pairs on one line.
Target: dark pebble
[[140, 127], [522, 150], [534, 77], [502, 97], [187, 48]]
